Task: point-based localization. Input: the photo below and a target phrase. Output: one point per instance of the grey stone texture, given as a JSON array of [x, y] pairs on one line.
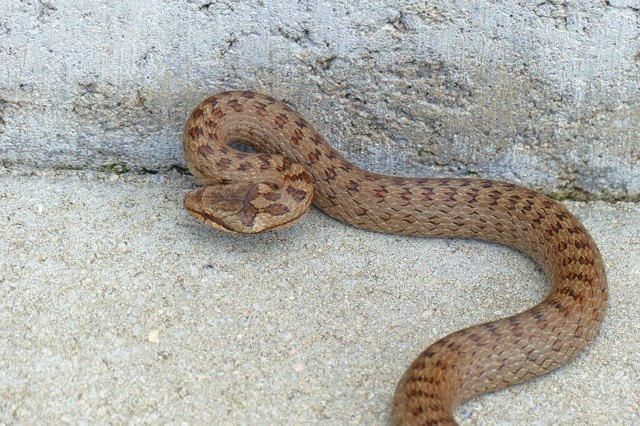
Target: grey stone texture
[[544, 93]]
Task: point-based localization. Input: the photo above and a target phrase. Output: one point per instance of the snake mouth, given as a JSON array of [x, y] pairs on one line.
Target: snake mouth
[[207, 218]]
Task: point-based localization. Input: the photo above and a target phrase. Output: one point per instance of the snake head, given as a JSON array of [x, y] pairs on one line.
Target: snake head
[[248, 208]]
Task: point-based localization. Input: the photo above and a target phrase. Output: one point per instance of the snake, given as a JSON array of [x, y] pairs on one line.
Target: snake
[[290, 166]]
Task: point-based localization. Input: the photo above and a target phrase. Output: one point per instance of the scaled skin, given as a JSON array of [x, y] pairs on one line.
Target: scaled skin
[[251, 193]]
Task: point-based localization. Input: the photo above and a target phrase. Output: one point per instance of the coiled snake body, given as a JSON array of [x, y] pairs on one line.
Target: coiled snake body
[[254, 192]]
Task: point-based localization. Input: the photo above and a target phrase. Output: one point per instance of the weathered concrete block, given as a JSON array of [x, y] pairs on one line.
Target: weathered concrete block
[[543, 94]]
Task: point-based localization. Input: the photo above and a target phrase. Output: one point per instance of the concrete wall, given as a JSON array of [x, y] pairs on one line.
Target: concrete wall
[[542, 93]]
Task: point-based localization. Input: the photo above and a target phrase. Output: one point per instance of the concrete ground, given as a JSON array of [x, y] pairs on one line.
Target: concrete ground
[[117, 307]]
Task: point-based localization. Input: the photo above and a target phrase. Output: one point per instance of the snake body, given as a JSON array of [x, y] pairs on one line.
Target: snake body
[[252, 192]]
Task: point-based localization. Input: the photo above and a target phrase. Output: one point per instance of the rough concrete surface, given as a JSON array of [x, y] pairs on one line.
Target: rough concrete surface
[[118, 307], [541, 93]]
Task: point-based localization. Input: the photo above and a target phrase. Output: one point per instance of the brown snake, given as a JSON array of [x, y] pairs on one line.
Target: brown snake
[[255, 192]]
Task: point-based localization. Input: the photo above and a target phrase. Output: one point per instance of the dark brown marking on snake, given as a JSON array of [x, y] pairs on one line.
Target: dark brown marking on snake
[[265, 163], [237, 106], [272, 196], [296, 137], [206, 150], [280, 120], [244, 167], [381, 193], [195, 132], [212, 124], [353, 186], [276, 209], [197, 113], [297, 194], [568, 291], [312, 158], [330, 174], [249, 211], [285, 165], [406, 195], [224, 163]]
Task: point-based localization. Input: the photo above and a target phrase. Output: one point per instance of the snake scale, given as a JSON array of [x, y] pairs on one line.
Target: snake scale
[[247, 192]]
